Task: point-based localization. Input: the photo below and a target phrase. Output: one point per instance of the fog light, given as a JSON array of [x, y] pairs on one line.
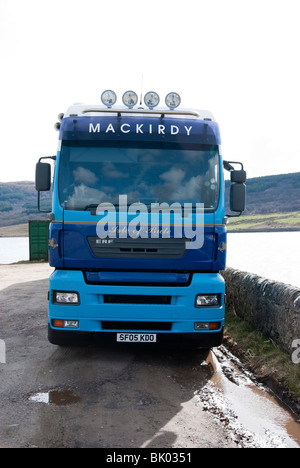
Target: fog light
[[59, 323], [201, 325], [65, 297], [71, 324], [208, 300], [207, 325]]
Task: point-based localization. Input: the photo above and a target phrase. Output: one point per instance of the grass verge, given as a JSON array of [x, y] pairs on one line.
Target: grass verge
[[265, 222], [269, 363], [16, 230]]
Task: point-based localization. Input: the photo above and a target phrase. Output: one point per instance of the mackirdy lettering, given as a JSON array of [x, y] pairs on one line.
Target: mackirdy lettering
[[137, 128]]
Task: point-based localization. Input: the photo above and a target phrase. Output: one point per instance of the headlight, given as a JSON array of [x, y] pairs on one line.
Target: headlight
[[65, 297], [208, 300]]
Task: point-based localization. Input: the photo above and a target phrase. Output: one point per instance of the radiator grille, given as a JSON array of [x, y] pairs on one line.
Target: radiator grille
[[153, 326], [138, 248], [135, 299]]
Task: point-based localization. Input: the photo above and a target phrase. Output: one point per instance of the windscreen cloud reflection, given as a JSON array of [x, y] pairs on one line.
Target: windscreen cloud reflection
[[94, 174]]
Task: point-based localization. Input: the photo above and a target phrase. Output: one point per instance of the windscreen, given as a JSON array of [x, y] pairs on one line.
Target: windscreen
[[91, 173]]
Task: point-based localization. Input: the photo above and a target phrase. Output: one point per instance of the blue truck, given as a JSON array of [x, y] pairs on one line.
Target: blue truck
[[137, 236]]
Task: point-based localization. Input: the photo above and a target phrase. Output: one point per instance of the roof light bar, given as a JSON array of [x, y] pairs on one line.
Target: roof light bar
[[130, 99]]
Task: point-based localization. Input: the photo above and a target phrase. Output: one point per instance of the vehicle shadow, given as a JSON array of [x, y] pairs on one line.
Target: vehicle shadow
[[121, 396]]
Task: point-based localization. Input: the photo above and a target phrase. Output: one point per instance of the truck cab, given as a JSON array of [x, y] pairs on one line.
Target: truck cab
[[138, 225]]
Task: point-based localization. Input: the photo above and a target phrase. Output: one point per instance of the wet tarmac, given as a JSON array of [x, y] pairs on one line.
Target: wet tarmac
[[123, 397]]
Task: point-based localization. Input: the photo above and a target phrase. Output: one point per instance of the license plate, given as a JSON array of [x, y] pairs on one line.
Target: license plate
[[136, 337]]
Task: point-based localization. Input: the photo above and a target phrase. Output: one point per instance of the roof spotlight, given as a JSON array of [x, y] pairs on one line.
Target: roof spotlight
[[130, 99], [173, 100], [108, 98], [151, 99]]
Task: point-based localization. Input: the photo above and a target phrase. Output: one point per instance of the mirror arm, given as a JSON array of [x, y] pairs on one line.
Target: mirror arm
[[48, 157], [228, 165]]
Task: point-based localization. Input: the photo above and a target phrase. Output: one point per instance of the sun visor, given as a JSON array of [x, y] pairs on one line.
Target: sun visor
[[140, 129]]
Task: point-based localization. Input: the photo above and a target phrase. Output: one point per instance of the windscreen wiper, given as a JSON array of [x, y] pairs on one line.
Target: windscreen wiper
[[92, 208]]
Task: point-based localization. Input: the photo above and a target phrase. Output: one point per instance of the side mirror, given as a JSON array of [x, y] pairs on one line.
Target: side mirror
[[42, 177], [239, 177], [237, 188], [43, 180], [238, 197]]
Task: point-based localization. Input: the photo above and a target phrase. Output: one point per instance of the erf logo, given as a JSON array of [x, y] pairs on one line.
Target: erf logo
[[2, 352], [296, 353]]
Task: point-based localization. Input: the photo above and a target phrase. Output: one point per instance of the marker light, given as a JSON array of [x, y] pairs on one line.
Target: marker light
[[108, 98], [173, 100], [130, 99], [151, 99]]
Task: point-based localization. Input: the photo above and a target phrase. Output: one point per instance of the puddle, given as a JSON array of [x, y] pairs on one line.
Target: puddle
[[253, 416], [56, 397]]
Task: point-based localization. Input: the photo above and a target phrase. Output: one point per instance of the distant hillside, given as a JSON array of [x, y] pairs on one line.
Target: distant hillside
[[18, 203], [269, 194], [272, 194]]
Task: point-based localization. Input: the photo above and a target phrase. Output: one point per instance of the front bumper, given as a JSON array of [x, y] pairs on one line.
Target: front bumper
[[165, 340], [179, 312]]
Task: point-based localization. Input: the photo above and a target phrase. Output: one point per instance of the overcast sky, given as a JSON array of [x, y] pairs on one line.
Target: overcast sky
[[237, 58]]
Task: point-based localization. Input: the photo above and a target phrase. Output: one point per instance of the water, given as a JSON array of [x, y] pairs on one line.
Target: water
[[13, 249], [274, 255], [56, 397], [250, 408]]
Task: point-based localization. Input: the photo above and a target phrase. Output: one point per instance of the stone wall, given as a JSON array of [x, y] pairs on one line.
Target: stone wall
[[270, 306]]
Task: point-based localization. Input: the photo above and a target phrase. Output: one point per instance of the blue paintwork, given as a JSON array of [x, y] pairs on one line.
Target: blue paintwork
[[202, 132], [71, 250], [71, 255], [92, 309], [133, 277]]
